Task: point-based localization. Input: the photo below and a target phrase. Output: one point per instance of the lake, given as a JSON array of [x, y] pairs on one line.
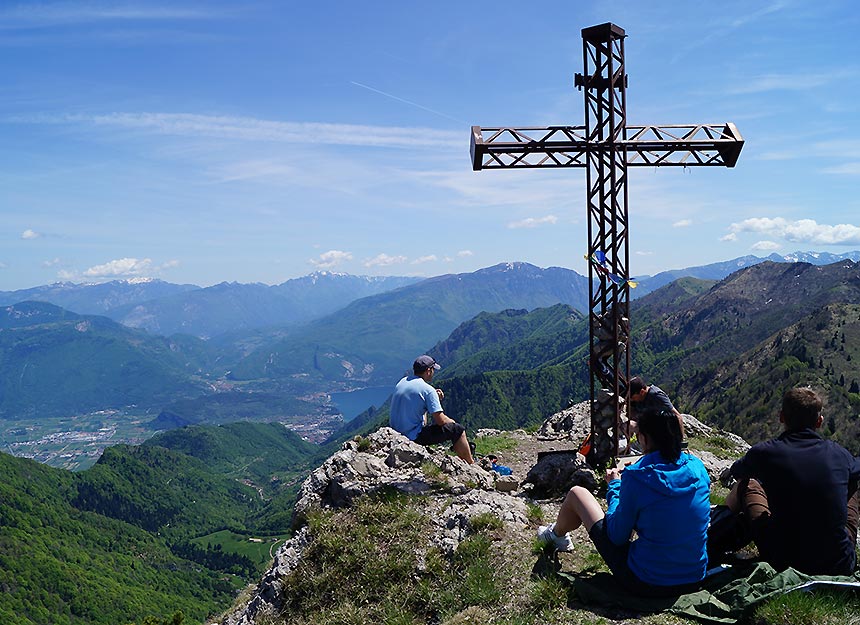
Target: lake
[[353, 403]]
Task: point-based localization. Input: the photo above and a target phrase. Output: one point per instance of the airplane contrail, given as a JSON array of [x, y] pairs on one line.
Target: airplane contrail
[[394, 97]]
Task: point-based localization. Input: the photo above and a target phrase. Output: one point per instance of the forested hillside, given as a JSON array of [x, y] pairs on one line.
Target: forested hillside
[[60, 565], [137, 534], [728, 353], [53, 362]]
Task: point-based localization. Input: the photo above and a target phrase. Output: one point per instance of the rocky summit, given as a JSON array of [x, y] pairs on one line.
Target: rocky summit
[[545, 465]]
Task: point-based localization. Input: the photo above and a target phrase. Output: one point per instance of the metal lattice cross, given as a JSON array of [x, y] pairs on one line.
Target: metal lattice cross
[[606, 146]]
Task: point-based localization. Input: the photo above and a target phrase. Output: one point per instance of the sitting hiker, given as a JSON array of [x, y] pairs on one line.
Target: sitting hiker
[[664, 496], [798, 494], [414, 398]]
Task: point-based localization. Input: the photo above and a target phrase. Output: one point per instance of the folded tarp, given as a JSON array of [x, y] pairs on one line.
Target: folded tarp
[[725, 596]]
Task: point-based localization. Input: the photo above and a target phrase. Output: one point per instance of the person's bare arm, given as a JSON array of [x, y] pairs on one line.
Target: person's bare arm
[[440, 418]]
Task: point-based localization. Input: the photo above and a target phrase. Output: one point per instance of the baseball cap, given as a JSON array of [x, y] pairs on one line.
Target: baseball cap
[[422, 363]]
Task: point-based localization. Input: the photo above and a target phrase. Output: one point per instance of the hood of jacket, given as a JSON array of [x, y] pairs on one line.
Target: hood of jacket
[[666, 478]]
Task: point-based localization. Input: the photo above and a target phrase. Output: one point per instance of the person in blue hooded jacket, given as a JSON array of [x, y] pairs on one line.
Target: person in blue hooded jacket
[[664, 497]]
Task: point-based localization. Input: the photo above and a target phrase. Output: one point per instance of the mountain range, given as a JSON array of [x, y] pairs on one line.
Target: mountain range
[[163, 308], [53, 361], [725, 351], [56, 362], [374, 339]]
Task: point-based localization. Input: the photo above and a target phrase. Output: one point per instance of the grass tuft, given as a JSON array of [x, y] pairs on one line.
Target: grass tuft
[[534, 513], [810, 608], [547, 593], [486, 522]]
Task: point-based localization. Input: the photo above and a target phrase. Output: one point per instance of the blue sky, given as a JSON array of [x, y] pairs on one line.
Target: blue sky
[[258, 141]]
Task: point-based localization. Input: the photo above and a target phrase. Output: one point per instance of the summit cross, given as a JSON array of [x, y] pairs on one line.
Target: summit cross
[[606, 146]]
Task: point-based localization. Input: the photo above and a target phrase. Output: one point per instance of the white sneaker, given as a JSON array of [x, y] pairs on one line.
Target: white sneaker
[[546, 534]]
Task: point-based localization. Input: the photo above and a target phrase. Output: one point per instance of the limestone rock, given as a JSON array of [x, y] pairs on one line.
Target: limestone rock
[[572, 423], [507, 483]]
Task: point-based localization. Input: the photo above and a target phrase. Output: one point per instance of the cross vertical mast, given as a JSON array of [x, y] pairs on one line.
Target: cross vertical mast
[[604, 85]]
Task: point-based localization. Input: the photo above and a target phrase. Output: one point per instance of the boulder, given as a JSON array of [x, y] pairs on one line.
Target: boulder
[[557, 472]]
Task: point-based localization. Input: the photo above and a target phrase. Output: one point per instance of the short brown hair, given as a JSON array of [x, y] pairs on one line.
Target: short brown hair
[[636, 385], [801, 408]]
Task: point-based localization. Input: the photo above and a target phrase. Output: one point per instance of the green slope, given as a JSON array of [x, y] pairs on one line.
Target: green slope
[[160, 490], [511, 340], [266, 454], [65, 363], [63, 566]]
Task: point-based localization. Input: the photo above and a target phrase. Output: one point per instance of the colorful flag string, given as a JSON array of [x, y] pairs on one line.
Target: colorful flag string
[[598, 260]]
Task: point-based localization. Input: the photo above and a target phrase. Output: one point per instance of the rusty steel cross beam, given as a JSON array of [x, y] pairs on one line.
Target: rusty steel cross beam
[[606, 146]]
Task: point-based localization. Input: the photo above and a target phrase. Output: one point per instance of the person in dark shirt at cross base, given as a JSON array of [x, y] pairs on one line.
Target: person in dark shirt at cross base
[[650, 399], [799, 493]]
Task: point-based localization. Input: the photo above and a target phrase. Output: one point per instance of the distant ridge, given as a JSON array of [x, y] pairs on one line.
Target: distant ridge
[[374, 339], [96, 298], [719, 270]]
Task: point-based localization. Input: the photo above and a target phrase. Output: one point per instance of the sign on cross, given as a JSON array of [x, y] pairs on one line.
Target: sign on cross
[[606, 146]]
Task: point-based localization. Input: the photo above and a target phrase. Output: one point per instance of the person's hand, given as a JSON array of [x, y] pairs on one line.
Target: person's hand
[[613, 474], [440, 394]]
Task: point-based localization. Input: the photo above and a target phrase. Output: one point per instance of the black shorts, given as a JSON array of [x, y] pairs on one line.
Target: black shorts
[[434, 434], [615, 557]]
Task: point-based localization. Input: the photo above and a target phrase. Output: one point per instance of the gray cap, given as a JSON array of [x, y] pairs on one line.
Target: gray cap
[[422, 363]]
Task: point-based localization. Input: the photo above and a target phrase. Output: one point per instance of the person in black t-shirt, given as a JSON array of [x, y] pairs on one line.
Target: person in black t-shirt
[[646, 399], [799, 493]]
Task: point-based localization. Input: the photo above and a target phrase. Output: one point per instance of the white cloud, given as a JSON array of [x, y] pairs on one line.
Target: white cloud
[[643, 253], [384, 260], [465, 253], [120, 267], [51, 263], [42, 14], [425, 259], [253, 129], [845, 169], [253, 170], [533, 222], [800, 231], [790, 82], [766, 246], [30, 234], [731, 236], [683, 223], [329, 259]]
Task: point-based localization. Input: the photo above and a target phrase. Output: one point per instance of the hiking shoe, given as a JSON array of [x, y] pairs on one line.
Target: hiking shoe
[[545, 534]]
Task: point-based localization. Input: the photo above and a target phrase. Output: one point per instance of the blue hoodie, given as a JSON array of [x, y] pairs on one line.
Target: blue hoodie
[[668, 505]]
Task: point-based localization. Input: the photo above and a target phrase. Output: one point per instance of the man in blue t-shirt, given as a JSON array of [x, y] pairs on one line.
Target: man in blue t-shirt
[[414, 398]]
